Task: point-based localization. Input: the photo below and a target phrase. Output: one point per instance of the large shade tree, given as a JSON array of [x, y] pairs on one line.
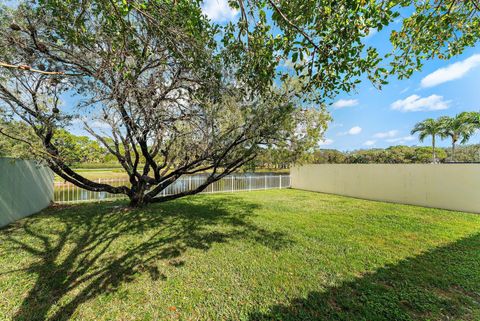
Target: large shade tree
[[177, 94]]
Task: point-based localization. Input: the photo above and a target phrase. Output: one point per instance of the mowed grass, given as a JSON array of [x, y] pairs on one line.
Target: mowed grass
[[267, 255]]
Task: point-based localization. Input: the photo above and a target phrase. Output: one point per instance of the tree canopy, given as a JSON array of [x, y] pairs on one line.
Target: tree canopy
[[170, 93]]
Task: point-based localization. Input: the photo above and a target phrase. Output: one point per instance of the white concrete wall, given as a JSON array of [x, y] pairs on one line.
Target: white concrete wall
[[447, 186], [25, 188]]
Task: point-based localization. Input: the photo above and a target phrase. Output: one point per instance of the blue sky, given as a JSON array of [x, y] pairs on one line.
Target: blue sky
[[371, 118]]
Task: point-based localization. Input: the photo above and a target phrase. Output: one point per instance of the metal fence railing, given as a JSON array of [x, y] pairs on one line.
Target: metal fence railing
[[65, 192]]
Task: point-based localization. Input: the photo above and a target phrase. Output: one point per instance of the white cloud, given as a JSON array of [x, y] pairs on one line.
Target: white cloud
[[354, 130], [370, 142], [401, 140], [325, 142], [388, 134], [451, 72], [219, 10], [342, 103], [372, 33], [99, 125], [417, 103]]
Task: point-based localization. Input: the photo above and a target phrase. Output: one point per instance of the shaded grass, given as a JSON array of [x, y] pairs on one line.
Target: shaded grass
[[269, 255]]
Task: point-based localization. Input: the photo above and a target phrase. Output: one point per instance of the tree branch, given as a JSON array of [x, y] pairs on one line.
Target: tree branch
[[28, 68]]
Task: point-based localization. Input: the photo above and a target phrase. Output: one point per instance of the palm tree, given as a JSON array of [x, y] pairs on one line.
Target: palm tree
[[428, 127], [458, 128], [473, 117]]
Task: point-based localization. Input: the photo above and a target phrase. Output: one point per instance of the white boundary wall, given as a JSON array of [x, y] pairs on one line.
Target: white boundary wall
[[25, 188], [447, 186]]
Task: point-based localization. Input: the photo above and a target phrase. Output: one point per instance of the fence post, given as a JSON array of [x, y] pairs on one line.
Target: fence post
[[190, 182], [250, 183], [280, 181], [231, 182], [265, 181]]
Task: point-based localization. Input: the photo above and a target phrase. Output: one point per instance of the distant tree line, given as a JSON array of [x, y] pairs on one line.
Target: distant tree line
[[396, 155], [277, 160]]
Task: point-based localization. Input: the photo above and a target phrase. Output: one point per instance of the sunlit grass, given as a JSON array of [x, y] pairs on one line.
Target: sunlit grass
[[268, 255]]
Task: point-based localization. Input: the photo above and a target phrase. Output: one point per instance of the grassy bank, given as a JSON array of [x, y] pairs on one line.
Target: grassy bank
[[95, 174], [268, 255], [119, 173]]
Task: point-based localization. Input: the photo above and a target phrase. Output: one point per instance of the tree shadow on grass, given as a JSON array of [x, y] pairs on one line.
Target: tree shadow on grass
[[443, 284], [89, 250]]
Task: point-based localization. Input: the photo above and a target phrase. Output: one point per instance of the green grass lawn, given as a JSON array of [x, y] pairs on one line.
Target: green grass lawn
[[267, 255]]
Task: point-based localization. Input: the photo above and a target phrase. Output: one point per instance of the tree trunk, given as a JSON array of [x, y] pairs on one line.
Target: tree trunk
[[137, 195], [453, 150], [137, 201], [433, 149]]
